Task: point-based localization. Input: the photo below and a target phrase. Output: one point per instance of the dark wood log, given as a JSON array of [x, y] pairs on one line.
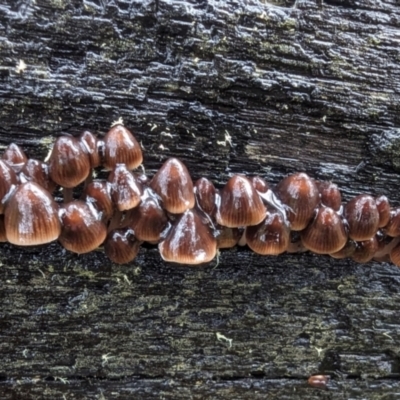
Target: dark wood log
[[239, 86]]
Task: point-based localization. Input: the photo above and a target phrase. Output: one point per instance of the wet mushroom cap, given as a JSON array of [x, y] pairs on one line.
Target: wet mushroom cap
[[82, 231], [362, 217], [8, 179], [121, 147], [37, 171], [239, 204], [14, 156], [173, 184], [121, 246], [189, 241], [326, 233], [69, 165], [31, 216], [90, 145], [330, 195], [205, 194], [383, 206], [300, 193], [99, 194]]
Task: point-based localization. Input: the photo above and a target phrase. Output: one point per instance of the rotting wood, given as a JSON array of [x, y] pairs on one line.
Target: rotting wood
[[237, 86]]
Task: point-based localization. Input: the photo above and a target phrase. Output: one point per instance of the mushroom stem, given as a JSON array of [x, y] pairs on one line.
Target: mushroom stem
[[68, 195], [115, 221]]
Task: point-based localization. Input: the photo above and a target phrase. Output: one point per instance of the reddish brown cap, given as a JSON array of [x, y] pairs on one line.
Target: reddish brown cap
[[205, 195], [99, 194], [300, 193], [326, 233], [259, 184], [189, 241], [31, 216], [366, 250], [121, 147], [393, 226], [347, 251], [330, 195], [383, 206], [362, 216], [239, 204], [37, 171], [14, 156], [271, 236], [90, 145], [174, 185], [148, 220], [8, 178], [82, 231], [126, 190], [318, 381], [69, 165], [121, 246]]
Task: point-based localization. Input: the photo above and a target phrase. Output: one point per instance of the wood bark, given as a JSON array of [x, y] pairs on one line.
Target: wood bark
[[240, 86]]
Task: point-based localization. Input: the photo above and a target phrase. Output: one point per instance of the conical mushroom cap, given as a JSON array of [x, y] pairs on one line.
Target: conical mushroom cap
[[121, 147], [270, 237], [189, 241], [82, 231], [326, 233], [240, 204], [300, 193], [121, 246], [7, 180], [174, 185], [69, 165], [31, 216]]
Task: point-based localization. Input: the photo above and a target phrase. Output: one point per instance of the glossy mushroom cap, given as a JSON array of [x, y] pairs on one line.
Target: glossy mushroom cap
[[259, 184], [383, 206], [31, 216], [189, 241], [330, 195], [271, 236], [82, 231], [90, 145], [8, 178], [346, 251], [148, 220], [300, 193], [326, 233], [14, 156], [239, 204], [37, 171], [126, 190], [99, 194], [121, 147], [205, 195], [227, 237], [365, 250], [174, 185], [69, 165], [121, 246], [362, 216], [393, 226]]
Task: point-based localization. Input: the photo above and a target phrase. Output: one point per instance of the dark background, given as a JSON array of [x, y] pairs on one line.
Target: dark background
[[228, 86]]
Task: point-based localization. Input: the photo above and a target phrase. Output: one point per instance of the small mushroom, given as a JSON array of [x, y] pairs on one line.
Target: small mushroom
[[330, 195], [121, 246], [174, 185], [14, 156], [8, 179], [37, 171], [205, 194], [383, 206], [31, 216]]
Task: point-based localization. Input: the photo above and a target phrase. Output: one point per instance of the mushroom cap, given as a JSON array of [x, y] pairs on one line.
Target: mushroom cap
[[326, 233], [98, 193], [365, 250], [37, 171], [69, 165], [31, 216], [121, 246], [239, 204], [174, 185], [8, 178], [227, 237], [189, 241], [90, 145], [300, 193], [362, 217], [205, 195], [271, 236], [82, 231], [392, 228], [121, 147], [148, 220], [126, 190], [14, 156], [383, 206], [259, 184], [3, 237], [330, 195]]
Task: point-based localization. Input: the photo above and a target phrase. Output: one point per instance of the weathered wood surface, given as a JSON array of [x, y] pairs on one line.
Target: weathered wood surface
[[228, 86]]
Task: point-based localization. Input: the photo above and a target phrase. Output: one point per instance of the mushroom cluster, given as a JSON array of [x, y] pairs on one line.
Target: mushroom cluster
[[188, 221]]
